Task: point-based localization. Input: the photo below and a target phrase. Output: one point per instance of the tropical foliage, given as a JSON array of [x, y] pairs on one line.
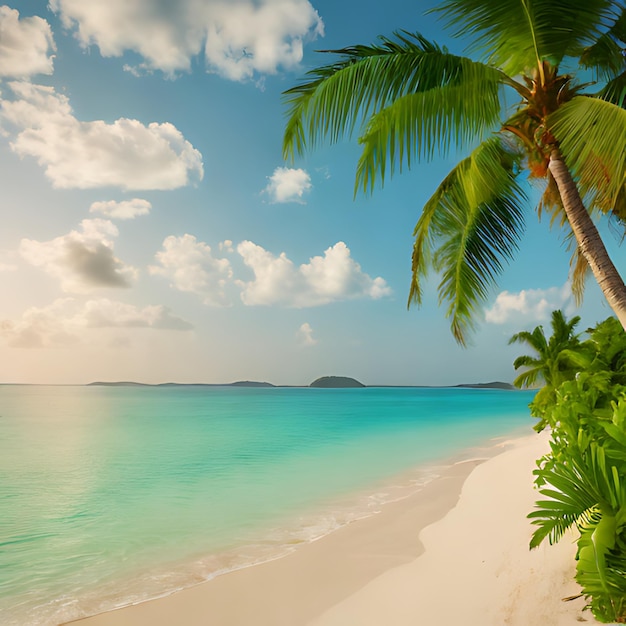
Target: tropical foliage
[[583, 478], [518, 109], [557, 359]]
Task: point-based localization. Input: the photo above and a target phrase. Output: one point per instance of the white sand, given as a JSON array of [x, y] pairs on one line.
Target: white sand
[[471, 567], [477, 568]]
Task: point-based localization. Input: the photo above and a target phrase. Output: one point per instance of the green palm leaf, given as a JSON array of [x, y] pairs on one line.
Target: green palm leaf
[[520, 34], [591, 135], [468, 228], [615, 91], [366, 79], [606, 56], [583, 491], [530, 376], [423, 123]]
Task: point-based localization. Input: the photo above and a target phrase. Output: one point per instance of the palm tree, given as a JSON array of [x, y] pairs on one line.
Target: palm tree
[[410, 98], [555, 359]]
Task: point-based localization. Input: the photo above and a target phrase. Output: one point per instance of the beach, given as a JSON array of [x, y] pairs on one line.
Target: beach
[[454, 552]]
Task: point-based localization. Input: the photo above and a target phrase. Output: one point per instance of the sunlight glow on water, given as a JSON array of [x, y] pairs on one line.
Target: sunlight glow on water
[[112, 495]]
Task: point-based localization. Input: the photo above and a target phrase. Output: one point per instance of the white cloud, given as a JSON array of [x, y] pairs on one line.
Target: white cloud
[[288, 185], [238, 37], [305, 333], [244, 38], [190, 266], [41, 327], [84, 155], [333, 277], [64, 322], [104, 313], [528, 305], [125, 210], [82, 260], [25, 45]]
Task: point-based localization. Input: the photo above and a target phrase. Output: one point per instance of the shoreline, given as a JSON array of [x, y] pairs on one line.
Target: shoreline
[[363, 571], [476, 568], [277, 592]]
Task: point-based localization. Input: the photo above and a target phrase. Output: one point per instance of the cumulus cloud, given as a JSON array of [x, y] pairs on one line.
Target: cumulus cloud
[[305, 334], [64, 322], [82, 260], [41, 327], [333, 277], [288, 185], [238, 37], [528, 305], [85, 155], [124, 210], [25, 45], [190, 266]]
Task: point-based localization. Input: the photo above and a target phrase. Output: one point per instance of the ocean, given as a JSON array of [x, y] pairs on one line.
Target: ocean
[[113, 495]]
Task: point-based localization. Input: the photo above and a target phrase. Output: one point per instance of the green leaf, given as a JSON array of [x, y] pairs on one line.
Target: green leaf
[[339, 97], [615, 91], [592, 138], [592, 555], [468, 229], [615, 433], [517, 35], [606, 56], [421, 124]]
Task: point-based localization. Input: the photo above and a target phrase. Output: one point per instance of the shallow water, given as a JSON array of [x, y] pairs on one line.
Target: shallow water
[[111, 495]]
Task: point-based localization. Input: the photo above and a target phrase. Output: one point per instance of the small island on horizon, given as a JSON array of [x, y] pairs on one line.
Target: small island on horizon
[[336, 382]]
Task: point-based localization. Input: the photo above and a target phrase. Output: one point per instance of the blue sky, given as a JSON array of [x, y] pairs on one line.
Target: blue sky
[[153, 232]]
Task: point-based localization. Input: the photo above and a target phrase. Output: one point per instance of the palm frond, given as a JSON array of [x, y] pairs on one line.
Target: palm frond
[[554, 517], [336, 99], [526, 361], [468, 228], [551, 203], [517, 35], [581, 489], [579, 271], [536, 339], [592, 138], [421, 124], [615, 91], [529, 377], [605, 57]]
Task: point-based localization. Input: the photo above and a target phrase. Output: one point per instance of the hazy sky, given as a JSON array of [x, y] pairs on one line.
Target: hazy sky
[[151, 230]]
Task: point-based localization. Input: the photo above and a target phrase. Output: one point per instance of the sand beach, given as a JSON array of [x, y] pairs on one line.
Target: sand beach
[[454, 553]]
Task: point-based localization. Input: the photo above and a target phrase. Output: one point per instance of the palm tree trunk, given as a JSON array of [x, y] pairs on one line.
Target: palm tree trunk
[[588, 238]]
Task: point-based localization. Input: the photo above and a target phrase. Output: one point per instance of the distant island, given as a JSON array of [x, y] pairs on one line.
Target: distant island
[[250, 383], [325, 382], [336, 382], [493, 385], [123, 383]]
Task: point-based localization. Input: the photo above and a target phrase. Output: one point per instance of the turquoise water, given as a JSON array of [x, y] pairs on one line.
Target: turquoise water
[[112, 495]]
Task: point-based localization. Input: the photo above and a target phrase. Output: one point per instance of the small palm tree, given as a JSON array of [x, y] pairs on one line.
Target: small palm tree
[[410, 98], [556, 360]]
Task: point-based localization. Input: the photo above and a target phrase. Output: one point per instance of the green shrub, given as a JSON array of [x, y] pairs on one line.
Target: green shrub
[[583, 477]]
